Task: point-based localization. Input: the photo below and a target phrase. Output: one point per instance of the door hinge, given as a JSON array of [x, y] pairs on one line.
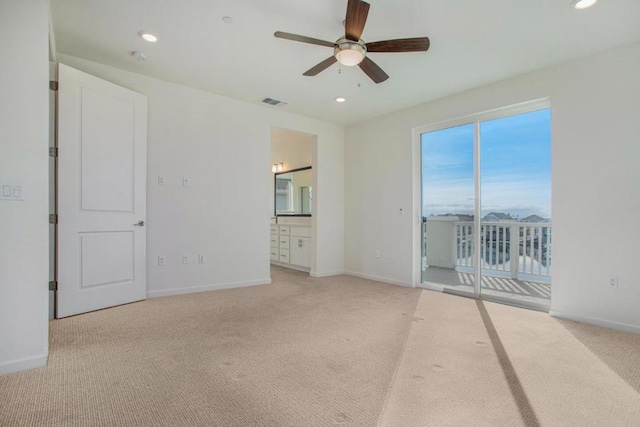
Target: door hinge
[[53, 85], [53, 218], [53, 151], [53, 285]]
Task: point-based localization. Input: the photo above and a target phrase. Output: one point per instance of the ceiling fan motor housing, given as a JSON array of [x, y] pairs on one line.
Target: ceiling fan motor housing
[[349, 52]]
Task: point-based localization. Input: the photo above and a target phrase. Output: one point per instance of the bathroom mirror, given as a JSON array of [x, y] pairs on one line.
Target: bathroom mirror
[[293, 192]]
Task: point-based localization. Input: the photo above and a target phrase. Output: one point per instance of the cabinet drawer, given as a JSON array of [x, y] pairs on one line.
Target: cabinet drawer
[[275, 254], [284, 242], [301, 231], [284, 255], [274, 240], [284, 230], [274, 229]]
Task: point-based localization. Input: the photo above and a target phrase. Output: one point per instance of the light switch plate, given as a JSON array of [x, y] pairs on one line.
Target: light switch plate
[[11, 191]]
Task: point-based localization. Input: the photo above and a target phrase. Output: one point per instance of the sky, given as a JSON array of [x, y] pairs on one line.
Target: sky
[[515, 167]]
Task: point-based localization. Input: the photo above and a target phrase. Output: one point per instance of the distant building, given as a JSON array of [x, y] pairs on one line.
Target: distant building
[[497, 217], [457, 217], [464, 217], [534, 218], [461, 217]]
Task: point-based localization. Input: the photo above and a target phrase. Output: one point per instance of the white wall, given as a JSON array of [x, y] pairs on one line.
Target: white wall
[[24, 259], [595, 189], [294, 149], [224, 147]]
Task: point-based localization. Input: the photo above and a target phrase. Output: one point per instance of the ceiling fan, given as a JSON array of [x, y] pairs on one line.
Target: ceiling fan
[[351, 50]]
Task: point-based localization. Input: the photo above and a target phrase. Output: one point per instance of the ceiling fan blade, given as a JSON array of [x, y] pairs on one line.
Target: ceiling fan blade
[[357, 11], [373, 70], [303, 39], [315, 70], [417, 44]]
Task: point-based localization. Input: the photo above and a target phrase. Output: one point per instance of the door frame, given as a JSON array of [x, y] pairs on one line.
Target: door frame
[[416, 148], [52, 307]]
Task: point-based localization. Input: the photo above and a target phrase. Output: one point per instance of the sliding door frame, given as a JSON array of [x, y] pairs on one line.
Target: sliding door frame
[[476, 120]]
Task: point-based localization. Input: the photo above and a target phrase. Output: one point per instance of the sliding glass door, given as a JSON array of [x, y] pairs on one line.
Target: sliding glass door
[[515, 177], [448, 195], [492, 174]]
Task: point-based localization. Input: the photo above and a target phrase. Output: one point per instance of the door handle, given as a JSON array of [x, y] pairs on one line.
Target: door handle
[[139, 223]]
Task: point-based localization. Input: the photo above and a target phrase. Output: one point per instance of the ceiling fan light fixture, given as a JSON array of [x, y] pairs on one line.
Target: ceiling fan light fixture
[[349, 53], [583, 4]]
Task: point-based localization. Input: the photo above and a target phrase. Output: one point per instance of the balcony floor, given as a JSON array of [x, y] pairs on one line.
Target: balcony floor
[[525, 291]]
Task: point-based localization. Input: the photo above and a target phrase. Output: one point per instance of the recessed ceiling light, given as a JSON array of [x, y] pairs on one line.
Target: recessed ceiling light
[[583, 4], [340, 99], [227, 20], [148, 37]]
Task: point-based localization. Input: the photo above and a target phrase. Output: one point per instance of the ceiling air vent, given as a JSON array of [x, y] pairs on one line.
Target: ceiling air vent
[[274, 102]]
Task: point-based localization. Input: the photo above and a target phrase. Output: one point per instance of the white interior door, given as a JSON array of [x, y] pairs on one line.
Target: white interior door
[[102, 142]]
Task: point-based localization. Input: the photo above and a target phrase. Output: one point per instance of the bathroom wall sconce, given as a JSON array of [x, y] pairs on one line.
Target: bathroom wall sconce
[[277, 167]]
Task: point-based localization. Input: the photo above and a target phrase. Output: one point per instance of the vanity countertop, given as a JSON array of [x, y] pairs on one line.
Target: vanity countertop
[[292, 222]]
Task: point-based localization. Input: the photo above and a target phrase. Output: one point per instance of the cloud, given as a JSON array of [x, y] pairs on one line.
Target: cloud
[[523, 197], [515, 166]]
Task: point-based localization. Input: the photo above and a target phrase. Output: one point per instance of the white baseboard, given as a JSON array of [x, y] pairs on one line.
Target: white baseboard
[[23, 364], [205, 288], [380, 279], [291, 266], [598, 322], [326, 273]]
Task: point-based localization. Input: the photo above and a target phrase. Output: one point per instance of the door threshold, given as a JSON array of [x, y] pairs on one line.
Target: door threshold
[[490, 298]]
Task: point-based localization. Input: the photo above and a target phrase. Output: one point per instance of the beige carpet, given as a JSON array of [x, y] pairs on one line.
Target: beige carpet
[[320, 352], [299, 352], [470, 362]]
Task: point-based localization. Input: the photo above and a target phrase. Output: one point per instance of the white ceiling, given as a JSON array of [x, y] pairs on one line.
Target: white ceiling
[[473, 42]]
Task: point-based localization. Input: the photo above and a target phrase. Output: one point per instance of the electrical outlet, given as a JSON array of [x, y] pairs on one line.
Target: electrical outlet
[[185, 259], [161, 260], [200, 259], [186, 182], [613, 282], [377, 253], [160, 180]]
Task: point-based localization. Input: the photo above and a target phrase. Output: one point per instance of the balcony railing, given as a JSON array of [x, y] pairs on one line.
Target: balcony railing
[[520, 250]]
